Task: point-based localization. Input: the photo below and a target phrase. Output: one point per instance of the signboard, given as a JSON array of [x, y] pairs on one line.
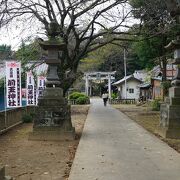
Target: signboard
[[13, 84], [40, 85], [30, 90]]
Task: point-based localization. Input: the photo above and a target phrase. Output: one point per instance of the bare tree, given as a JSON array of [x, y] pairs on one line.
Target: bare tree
[[84, 25]]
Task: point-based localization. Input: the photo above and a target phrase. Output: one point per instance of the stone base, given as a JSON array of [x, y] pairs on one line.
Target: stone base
[[169, 126], [52, 134], [2, 173], [52, 120], [168, 133]]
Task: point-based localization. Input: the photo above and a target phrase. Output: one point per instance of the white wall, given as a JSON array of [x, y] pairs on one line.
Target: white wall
[[131, 84]]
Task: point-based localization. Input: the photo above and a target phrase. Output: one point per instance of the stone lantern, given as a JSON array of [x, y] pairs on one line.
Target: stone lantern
[[169, 126], [53, 117]]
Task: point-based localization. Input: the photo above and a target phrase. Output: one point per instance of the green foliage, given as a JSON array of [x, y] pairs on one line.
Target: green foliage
[[136, 3], [76, 95], [27, 118], [5, 51], [148, 50], [5, 48], [95, 59], [111, 58], [28, 52], [114, 95], [79, 98], [155, 104], [1, 84], [154, 29], [82, 100], [165, 86]]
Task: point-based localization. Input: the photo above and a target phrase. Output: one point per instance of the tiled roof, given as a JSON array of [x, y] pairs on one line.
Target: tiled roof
[[144, 85], [126, 78], [140, 74]]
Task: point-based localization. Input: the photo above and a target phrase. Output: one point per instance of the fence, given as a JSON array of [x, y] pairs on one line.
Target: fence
[[122, 101], [73, 102], [13, 117]]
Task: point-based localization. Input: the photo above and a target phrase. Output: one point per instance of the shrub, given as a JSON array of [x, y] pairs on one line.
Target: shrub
[[27, 118], [76, 95], [165, 86], [82, 100], [79, 98], [155, 104], [114, 95]]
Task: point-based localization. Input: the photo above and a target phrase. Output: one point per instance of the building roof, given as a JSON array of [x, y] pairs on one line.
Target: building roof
[[159, 78], [127, 78], [170, 71], [144, 85], [140, 74]]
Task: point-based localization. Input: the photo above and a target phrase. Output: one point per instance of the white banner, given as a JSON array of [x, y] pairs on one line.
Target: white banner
[[30, 90], [40, 85], [13, 84]]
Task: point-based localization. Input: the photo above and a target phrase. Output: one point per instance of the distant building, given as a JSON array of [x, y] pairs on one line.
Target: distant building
[[141, 75], [131, 91], [145, 91], [145, 85], [157, 90], [156, 79]]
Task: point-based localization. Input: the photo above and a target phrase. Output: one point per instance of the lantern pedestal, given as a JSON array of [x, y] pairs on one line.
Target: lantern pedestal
[[53, 117], [169, 126]]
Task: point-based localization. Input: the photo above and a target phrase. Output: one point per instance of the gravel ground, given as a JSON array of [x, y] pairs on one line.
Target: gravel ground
[[148, 119], [40, 160]]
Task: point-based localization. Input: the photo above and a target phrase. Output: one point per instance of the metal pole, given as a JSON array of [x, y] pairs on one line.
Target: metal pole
[[125, 73], [109, 85], [87, 86], [5, 113]]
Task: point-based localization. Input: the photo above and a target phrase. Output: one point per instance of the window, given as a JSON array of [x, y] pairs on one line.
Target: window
[[131, 90]]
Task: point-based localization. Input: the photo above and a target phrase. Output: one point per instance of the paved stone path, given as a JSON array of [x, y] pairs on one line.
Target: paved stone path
[[113, 147]]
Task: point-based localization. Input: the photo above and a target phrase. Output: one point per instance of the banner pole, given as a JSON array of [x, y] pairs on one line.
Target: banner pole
[[5, 113]]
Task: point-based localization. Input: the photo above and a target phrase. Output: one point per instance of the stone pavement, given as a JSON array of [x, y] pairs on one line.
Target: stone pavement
[[113, 147]]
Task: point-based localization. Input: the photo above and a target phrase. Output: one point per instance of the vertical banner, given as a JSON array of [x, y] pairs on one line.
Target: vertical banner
[[30, 89], [40, 85], [13, 84]]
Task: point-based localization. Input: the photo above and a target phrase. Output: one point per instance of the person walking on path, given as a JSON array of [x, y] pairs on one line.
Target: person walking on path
[[105, 98]]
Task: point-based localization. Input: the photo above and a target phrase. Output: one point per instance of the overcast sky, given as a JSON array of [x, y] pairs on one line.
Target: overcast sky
[[18, 31], [13, 36]]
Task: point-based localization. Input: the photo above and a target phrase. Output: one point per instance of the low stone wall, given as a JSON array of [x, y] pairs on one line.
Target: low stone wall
[[122, 101], [13, 117], [73, 102]]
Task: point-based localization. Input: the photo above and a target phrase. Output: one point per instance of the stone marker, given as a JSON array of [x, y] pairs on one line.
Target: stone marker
[[169, 126], [53, 117], [2, 173]]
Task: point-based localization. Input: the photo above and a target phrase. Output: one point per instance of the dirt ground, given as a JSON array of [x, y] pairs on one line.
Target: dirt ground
[[40, 160], [148, 119]]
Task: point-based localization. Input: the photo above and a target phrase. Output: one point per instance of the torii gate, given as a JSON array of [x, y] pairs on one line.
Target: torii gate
[[99, 76]]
